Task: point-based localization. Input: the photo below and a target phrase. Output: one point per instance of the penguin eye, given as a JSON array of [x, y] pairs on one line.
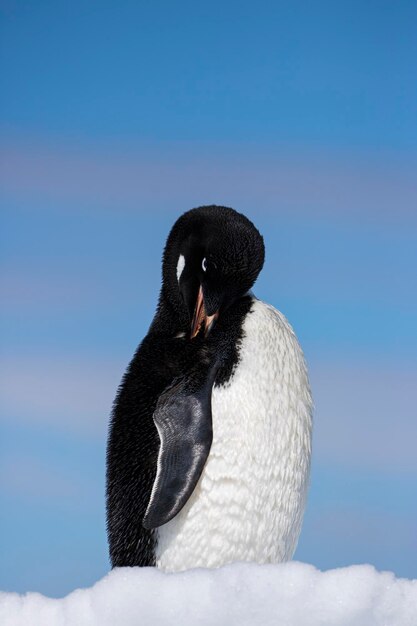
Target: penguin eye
[[204, 264]]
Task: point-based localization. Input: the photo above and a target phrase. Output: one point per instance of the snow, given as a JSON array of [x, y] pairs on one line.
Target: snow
[[289, 594]]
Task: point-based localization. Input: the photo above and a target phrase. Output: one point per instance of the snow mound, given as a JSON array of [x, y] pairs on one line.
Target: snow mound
[[242, 594]]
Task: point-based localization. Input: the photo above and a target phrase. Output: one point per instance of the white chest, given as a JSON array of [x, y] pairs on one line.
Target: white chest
[[249, 502]]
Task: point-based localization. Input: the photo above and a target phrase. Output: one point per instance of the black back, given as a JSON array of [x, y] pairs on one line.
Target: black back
[[134, 443]]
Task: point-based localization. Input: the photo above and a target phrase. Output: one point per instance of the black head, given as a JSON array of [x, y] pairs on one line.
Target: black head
[[213, 256]]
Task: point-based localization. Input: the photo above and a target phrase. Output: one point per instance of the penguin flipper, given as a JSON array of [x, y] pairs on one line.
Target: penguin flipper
[[184, 423]]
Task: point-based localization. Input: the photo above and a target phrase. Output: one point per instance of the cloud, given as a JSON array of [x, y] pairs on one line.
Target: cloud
[[178, 176], [340, 532], [39, 289], [64, 394], [33, 478], [384, 533], [364, 415]]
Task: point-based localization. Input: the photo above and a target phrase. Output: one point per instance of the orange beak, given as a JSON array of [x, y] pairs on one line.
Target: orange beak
[[200, 316]]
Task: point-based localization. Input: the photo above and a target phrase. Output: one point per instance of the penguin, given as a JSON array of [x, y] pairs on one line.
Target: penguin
[[209, 446]]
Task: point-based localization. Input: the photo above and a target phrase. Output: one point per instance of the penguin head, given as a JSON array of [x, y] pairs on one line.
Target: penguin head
[[212, 257]]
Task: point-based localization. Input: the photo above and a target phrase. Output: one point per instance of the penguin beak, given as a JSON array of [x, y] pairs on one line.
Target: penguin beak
[[201, 316]]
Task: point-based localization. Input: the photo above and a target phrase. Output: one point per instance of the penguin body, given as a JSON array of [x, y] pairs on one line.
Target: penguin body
[[210, 441], [249, 502]]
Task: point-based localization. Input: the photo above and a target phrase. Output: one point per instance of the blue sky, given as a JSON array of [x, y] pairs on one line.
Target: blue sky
[[117, 117]]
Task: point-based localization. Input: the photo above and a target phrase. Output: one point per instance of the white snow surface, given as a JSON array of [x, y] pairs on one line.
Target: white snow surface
[[288, 594]]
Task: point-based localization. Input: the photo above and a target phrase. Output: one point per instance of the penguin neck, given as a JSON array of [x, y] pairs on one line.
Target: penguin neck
[[171, 317]]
